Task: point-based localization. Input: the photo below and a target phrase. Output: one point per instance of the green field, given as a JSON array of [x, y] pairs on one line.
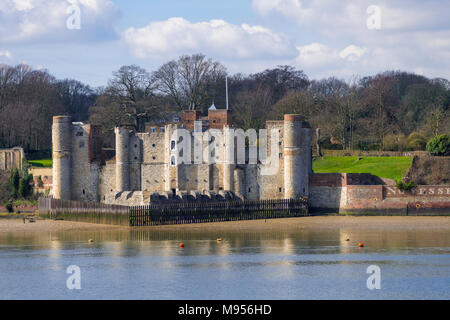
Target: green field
[[385, 167], [43, 163]]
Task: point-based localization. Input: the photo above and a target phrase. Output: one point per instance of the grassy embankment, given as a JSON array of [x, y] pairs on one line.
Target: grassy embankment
[[43, 163], [384, 167]]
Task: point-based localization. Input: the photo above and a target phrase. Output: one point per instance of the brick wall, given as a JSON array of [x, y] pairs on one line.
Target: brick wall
[[219, 118], [382, 199]]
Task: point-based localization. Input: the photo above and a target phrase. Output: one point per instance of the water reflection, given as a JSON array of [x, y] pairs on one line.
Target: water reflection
[[286, 263]]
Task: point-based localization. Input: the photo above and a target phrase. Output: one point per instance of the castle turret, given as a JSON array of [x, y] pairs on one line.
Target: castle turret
[[297, 154], [228, 166], [122, 159], [62, 159]]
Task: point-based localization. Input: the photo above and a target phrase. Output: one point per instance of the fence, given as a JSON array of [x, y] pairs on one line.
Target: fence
[[372, 153], [171, 213], [82, 211], [181, 213]]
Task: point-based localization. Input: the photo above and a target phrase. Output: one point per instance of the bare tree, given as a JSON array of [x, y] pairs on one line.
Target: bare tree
[[251, 107], [132, 88], [378, 98], [187, 80]]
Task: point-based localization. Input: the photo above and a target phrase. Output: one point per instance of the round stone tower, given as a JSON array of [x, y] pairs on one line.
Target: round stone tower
[[228, 166], [62, 158], [297, 154], [122, 159]]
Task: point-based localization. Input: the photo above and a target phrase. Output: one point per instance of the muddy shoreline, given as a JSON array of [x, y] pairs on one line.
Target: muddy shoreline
[[16, 224]]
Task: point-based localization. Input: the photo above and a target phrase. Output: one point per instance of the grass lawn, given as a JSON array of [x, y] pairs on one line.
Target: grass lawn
[[43, 163], [385, 167]]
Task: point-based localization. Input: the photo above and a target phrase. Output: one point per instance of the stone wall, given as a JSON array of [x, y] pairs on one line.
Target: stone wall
[[339, 193], [43, 179], [107, 181], [11, 158], [85, 174]]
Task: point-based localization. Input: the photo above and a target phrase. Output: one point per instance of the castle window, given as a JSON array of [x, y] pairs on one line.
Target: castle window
[[172, 145], [153, 145], [280, 189], [79, 134], [280, 155], [135, 158], [81, 144], [152, 129], [135, 145], [84, 192], [172, 160], [249, 189], [162, 129], [154, 158]]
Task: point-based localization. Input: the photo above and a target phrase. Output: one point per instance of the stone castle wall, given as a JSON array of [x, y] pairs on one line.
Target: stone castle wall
[[11, 158], [146, 163]]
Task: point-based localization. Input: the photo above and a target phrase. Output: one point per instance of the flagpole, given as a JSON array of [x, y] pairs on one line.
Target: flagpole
[[226, 89]]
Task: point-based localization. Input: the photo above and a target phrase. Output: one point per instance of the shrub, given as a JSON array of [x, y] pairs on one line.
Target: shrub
[[24, 186], [394, 142], [9, 206], [416, 142], [14, 180], [373, 147], [439, 145], [405, 185]]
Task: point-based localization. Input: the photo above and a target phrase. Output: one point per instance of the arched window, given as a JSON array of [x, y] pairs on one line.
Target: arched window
[[172, 145], [172, 161]]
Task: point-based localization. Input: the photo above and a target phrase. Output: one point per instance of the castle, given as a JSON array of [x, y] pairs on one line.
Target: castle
[[195, 157]]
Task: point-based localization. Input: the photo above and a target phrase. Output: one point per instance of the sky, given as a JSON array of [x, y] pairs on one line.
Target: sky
[[87, 40]]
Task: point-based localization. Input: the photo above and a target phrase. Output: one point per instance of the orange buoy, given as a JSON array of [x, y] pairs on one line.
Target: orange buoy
[[361, 245], [181, 245]]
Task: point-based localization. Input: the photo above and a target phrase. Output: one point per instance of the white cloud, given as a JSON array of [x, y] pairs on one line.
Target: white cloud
[[413, 36], [5, 54], [217, 37], [315, 55], [352, 53], [45, 20], [330, 16]]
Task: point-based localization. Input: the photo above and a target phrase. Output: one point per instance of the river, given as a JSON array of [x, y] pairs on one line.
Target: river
[[266, 264]]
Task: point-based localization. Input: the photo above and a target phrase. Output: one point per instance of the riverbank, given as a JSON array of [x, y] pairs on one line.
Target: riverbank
[[13, 224], [318, 222]]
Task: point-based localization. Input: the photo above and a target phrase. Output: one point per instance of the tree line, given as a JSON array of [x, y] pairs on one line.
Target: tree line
[[393, 110]]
